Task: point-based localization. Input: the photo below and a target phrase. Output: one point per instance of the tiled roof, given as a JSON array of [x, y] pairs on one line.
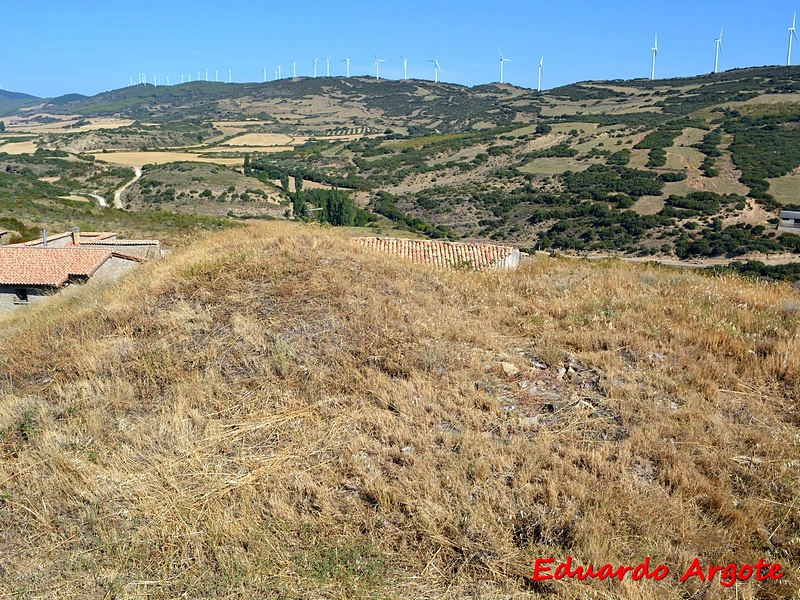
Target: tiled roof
[[125, 256], [48, 266], [119, 242], [86, 236], [480, 257]]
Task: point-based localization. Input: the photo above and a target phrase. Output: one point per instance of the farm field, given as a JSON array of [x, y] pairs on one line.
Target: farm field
[[133, 159], [260, 139]]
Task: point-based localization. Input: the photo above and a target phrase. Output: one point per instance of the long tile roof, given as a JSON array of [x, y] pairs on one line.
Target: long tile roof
[[480, 257], [50, 267], [119, 242], [88, 236]]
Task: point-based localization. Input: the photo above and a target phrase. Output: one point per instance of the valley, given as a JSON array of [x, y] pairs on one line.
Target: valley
[[673, 170]]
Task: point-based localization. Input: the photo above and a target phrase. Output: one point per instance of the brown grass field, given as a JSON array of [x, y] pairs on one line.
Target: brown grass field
[[260, 139], [137, 159], [275, 412]]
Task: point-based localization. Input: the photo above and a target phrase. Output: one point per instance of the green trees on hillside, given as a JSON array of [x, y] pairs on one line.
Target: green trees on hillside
[[332, 206], [599, 181], [655, 141], [709, 147], [764, 148], [619, 159]]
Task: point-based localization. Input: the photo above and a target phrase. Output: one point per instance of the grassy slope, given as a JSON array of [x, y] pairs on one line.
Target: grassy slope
[[275, 412]]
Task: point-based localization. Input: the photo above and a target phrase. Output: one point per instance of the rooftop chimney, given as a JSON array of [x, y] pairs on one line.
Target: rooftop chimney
[[44, 238], [76, 236]]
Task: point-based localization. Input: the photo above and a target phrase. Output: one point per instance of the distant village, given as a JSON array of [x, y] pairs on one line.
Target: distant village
[[32, 271]]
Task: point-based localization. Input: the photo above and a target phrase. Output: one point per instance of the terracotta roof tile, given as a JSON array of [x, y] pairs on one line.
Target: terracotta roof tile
[[48, 266], [480, 257], [89, 236], [119, 242]]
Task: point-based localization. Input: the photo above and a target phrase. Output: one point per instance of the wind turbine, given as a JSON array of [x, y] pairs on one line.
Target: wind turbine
[[405, 67], [229, 76], [792, 33], [718, 43], [216, 75], [328, 66], [377, 66], [294, 69], [167, 79], [198, 76], [182, 78], [502, 60], [190, 77], [265, 74], [206, 73], [131, 80], [436, 69], [539, 85], [279, 71], [314, 60], [155, 80], [347, 60], [655, 52]]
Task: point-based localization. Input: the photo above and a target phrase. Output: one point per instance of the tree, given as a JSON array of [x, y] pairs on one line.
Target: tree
[[247, 163], [298, 184], [300, 207], [285, 181], [2, 126]]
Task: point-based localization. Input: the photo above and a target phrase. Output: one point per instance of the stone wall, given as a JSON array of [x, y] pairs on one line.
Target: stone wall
[[9, 300]]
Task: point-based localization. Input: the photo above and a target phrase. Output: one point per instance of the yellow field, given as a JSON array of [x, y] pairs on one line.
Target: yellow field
[[20, 124], [19, 148], [260, 139], [136, 159]]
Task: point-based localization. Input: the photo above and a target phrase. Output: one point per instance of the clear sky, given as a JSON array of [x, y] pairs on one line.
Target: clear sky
[[54, 47]]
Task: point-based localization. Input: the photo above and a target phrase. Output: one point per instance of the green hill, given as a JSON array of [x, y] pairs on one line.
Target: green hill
[[679, 169], [11, 102]]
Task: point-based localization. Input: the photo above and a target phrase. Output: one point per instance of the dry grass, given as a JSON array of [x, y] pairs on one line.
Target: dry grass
[[137, 159], [786, 189], [28, 147], [648, 205], [261, 139], [278, 413], [554, 165]]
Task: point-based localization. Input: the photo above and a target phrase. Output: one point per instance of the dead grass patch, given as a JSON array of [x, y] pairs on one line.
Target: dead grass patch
[[276, 413]]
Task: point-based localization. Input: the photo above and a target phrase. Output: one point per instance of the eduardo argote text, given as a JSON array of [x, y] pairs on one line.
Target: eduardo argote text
[[729, 574]]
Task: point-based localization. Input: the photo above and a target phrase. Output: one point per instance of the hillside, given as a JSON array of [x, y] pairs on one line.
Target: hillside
[[691, 169], [275, 412], [11, 102]]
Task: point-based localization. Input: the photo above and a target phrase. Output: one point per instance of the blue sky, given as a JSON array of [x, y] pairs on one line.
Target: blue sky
[[57, 47]]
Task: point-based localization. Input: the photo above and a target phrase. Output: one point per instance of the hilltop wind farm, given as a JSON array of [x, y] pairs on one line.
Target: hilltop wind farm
[[442, 302]]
